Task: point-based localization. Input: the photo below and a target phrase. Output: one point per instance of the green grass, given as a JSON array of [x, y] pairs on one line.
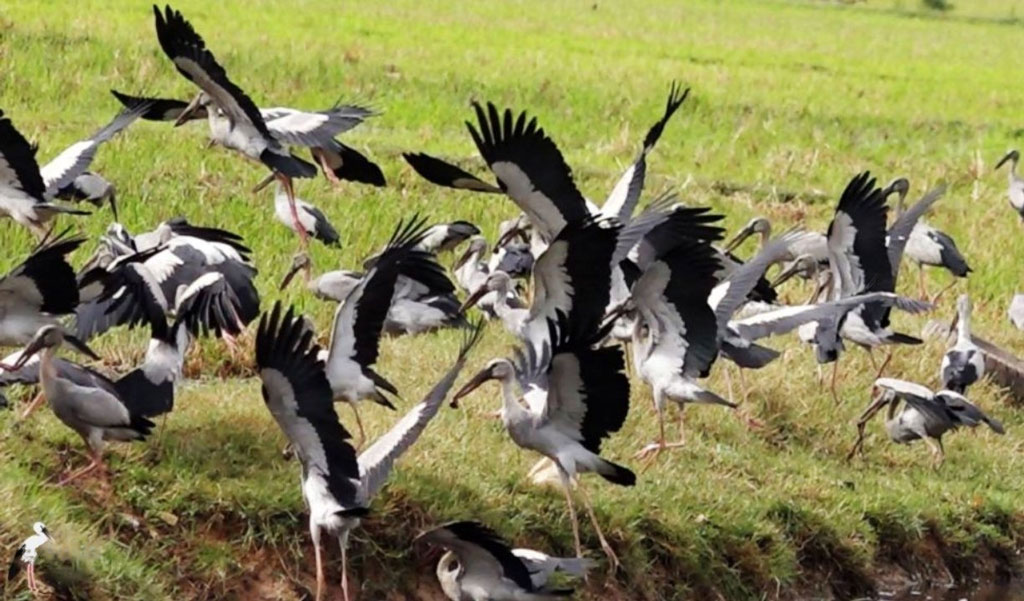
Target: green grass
[[789, 100]]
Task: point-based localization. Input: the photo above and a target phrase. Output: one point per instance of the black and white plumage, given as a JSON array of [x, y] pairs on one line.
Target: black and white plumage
[[926, 245], [444, 237], [1015, 189], [473, 272], [23, 193], [38, 291], [316, 130], [336, 484], [964, 363], [442, 173], [359, 320], [66, 175], [311, 219], [480, 566], [178, 257], [27, 553], [922, 415], [625, 195], [1016, 311], [575, 397]]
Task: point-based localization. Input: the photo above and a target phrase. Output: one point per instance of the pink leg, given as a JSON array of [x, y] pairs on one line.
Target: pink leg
[[344, 572], [319, 572], [33, 405], [303, 235], [328, 172], [97, 462]]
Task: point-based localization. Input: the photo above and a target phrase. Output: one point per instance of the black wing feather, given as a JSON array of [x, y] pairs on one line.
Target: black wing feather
[[21, 156]]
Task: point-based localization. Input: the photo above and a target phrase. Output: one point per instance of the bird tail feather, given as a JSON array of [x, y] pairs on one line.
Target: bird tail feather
[[900, 338], [616, 474]]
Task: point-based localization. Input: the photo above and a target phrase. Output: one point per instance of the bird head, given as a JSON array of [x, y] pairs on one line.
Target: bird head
[[477, 246], [197, 109], [497, 369], [300, 262], [40, 528], [1013, 155], [757, 225], [499, 282], [806, 265]]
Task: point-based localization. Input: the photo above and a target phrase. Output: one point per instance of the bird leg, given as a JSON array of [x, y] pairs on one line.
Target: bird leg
[[566, 486], [612, 558], [97, 462], [832, 386], [935, 299], [743, 383], [858, 446], [885, 364], [33, 405], [30, 572], [359, 424], [344, 571], [319, 571], [321, 158], [920, 280], [303, 234], [938, 453]]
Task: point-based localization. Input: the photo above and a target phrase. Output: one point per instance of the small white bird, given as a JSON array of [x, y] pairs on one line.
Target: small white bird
[[964, 363], [27, 554], [480, 566]]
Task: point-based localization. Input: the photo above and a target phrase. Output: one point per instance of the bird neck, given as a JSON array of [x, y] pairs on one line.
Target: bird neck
[[47, 370], [963, 326], [510, 406], [893, 406]]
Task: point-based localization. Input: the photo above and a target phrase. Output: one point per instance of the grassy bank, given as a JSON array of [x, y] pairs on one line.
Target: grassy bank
[[789, 100]]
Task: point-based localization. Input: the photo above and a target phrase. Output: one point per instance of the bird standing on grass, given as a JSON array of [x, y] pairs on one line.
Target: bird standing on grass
[[1015, 189], [479, 566], [925, 415], [964, 363], [337, 485], [27, 553], [575, 396]]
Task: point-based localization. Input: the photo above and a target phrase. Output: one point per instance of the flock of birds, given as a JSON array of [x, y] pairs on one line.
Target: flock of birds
[[657, 286]]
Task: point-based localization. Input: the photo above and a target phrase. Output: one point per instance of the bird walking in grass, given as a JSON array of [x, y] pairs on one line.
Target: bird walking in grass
[[337, 485], [1015, 188], [964, 363], [922, 415], [575, 396], [927, 245], [478, 565], [26, 555]]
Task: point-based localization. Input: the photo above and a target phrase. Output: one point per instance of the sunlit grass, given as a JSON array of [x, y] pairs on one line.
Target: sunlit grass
[[789, 100]]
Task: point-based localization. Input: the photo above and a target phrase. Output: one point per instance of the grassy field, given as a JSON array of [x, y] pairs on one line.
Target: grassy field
[[789, 100]]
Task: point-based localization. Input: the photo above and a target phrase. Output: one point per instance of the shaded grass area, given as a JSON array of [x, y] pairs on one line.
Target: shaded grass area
[[789, 100]]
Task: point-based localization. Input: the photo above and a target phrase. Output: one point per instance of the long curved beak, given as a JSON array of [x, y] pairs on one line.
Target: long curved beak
[[288, 277], [1003, 160], [474, 298], [113, 206], [264, 183], [738, 239], [188, 111], [507, 237], [786, 274], [463, 259], [34, 346], [81, 347], [482, 376], [617, 311]]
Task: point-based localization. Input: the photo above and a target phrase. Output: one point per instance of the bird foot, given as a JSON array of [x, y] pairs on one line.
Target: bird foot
[[613, 559], [651, 451]]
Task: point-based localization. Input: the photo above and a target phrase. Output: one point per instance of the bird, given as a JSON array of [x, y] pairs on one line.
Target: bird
[[178, 255], [359, 320], [316, 130], [575, 396], [27, 553], [811, 244], [472, 272], [22, 189], [445, 237], [337, 486], [39, 291], [499, 290], [924, 416], [93, 188], [1016, 311], [479, 565], [1015, 190], [238, 123], [311, 219], [97, 411], [412, 310], [927, 245], [964, 363], [865, 257]]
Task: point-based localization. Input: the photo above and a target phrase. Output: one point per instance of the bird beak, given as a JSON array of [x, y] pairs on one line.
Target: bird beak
[[81, 347], [474, 298], [738, 239], [1005, 158], [953, 324], [462, 259], [507, 237], [34, 346], [617, 311], [263, 183], [785, 275], [288, 277], [113, 207], [186, 114], [483, 376]]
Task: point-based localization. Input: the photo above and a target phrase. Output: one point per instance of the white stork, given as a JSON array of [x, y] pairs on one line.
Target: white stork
[[336, 485], [479, 566], [1015, 189], [964, 363], [240, 125], [27, 553], [575, 397], [926, 415], [927, 245]]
